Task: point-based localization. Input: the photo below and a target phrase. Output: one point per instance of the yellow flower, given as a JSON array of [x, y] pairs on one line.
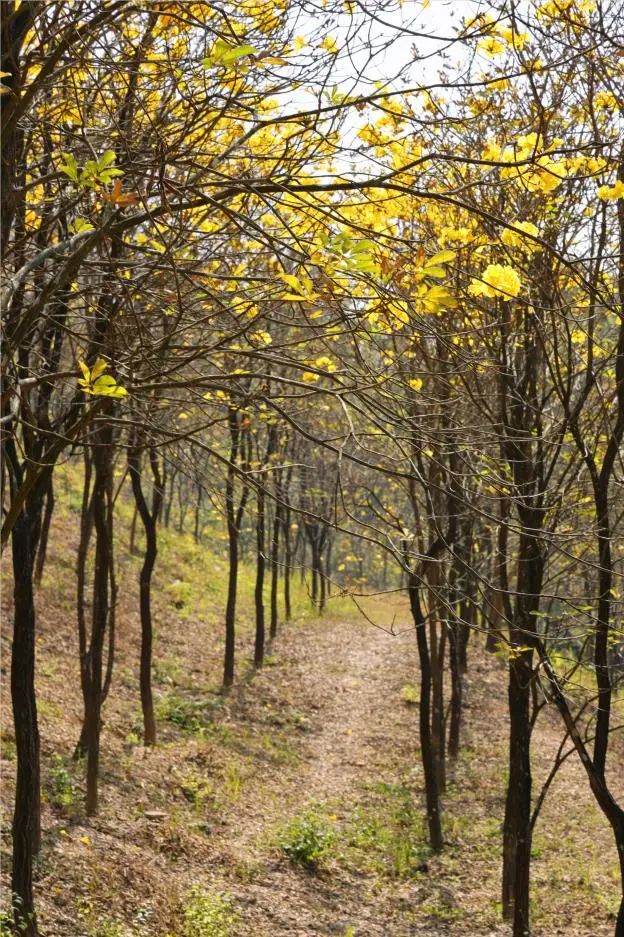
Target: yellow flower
[[330, 45], [464, 235], [611, 194], [491, 46], [261, 338], [511, 239], [325, 363], [518, 40], [415, 383], [491, 150], [309, 377], [605, 101], [496, 280]]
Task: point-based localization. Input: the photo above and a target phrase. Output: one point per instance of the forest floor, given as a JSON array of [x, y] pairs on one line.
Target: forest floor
[[323, 743]]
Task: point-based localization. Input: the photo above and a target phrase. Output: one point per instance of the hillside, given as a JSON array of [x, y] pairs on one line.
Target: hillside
[[318, 750]]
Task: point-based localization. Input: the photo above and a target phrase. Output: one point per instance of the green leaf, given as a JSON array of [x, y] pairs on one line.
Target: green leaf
[[224, 54], [233, 55], [81, 226], [69, 166], [105, 175], [106, 159]]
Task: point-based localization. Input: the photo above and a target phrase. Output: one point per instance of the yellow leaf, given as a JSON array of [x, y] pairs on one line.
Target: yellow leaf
[[399, 310], [98, 368], [443, 257], [292, 281]]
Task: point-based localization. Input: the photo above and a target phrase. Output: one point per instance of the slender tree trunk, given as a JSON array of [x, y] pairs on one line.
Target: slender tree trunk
[[287, 566], [277, 523], [315, 583], [198, 502], [602, 629], [437, 642], [517, 825], [457, 687], [302, 567], [466, 621], [149, 519], [26, 826], [517, 828], [432, 793], [86, 527], [322, 583], [259, 588], [102, 462], [234, 518], [133, 524], [327, 572], [169, 500], [45, 532], [230, 609]]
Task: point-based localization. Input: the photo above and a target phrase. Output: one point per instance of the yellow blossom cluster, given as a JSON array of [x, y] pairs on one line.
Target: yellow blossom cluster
[[514, 236], [498, 38], [611, 193], [496, 280], [536, 171]]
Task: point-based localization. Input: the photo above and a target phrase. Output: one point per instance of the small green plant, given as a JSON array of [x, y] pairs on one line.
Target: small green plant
[[7, 746], [107, 927], [6, 923], [307, 839], [187, 714], [62, 791], [232, 781], [385, 834], [98, 924], [12, 923], [207, 914], [196, 789], [409, 694]]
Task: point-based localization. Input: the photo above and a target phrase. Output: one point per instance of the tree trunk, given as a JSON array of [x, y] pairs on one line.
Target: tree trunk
[[277, 523], [259, 588], [432, 793], [315, 585], [322, 583], [102, 462], [230, 609], [26, 826], [517, 825], [149, 519], [196, 530], [234, 521], [169, 501], [45, 532], [517, 828], [457, 687], [287, 565], [132, 543]]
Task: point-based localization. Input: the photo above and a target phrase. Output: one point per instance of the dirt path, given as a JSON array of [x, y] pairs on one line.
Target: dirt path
[[348, 678], [360, 734]]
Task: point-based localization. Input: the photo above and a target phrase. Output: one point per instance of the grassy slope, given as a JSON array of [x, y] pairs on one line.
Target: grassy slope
[[323, 734]]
